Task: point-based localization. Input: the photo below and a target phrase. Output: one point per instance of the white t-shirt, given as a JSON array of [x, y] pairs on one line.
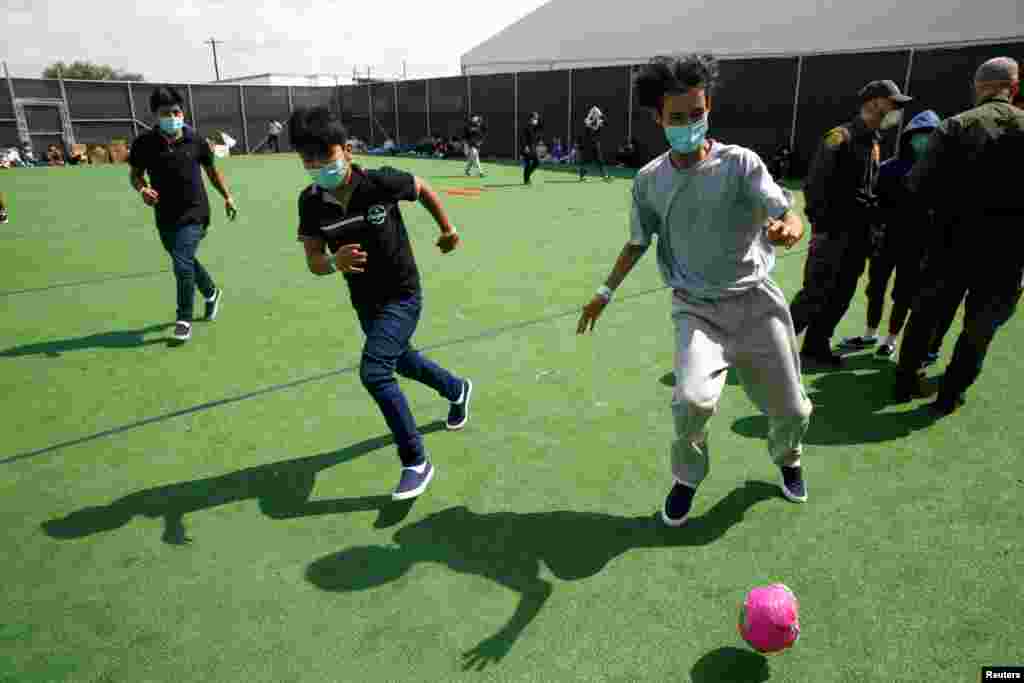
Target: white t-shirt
[[710, 220]]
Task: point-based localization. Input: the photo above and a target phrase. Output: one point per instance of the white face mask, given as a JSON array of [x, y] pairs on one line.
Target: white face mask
[[892, 119]]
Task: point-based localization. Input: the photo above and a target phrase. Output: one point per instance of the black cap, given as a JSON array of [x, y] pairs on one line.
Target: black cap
[[886, 89]]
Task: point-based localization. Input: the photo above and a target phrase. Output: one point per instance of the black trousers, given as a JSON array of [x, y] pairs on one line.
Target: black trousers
[[834, 265], [592, 155], [904, 255], [990, 298], [530, 164]]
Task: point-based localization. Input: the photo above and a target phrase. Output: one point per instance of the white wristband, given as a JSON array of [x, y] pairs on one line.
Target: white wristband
[[605, 292]]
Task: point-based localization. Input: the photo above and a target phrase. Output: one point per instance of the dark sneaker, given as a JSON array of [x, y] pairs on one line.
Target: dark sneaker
[[793, 484], [930, 359], [886, 350], [413, 483], [458, 414], [182, 331], [908, 388], [3, 216], [944, 406], [677, 504], [858, 343], [213, 306], [822, 358]]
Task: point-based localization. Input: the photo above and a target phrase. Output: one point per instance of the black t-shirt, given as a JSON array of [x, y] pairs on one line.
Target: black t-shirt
[[373, 221], [173, 169]]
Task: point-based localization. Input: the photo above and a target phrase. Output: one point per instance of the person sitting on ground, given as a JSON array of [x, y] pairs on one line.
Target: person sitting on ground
[[54, 156]]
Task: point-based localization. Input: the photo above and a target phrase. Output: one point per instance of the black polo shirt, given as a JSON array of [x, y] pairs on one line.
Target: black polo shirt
[[173, 169], [373, 221]]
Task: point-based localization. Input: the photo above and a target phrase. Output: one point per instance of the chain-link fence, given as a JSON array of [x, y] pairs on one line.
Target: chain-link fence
[[762, 103]]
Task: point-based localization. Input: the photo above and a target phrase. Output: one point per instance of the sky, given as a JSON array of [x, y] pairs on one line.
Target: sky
[[166, 41]]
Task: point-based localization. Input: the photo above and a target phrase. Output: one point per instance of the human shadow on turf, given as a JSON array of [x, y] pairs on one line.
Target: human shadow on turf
[[282, 490], [508, 548], [730, 665], [847, 406], [119, 339]]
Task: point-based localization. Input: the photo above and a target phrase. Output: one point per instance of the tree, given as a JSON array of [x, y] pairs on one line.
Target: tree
[[90, 72]]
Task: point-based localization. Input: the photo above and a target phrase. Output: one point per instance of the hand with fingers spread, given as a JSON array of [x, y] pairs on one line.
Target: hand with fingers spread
[[350, 258]]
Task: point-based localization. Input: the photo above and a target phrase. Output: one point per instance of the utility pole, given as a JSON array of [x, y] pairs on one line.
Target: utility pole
[[216, 67]]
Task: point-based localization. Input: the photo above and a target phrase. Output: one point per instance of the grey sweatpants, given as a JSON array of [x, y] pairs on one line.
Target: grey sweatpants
[[752, 332], [473, 161]]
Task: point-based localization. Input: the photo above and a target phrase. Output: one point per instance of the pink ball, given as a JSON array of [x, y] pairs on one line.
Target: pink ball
[[769, 618]]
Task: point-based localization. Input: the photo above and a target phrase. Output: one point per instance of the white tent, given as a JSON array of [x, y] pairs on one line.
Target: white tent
[[567, 34]]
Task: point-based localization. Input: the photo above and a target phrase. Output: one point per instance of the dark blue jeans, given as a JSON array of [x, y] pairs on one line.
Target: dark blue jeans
[[389, 328], [181, 243]]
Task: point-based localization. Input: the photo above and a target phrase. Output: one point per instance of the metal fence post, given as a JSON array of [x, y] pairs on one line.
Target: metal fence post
[[369, 100], [515, 113], [245, 121], [629, 121], [796, 104], [569, 139], [291, 102], [131, 111], [398, 129], [191, 107], [906, 91], [67, 126], [426, 87]]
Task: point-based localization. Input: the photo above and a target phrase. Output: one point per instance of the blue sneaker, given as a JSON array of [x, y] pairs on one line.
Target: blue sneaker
[[793, 487], [413, 482], [677, 504], [458, 414]]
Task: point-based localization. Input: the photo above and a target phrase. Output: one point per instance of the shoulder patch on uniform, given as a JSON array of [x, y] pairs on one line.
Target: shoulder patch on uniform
[[836, 137]]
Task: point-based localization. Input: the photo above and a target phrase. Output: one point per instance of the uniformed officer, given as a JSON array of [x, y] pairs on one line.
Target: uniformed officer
[[841, 206], [970, 172]]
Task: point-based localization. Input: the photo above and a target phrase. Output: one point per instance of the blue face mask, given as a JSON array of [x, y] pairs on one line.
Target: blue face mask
[[330, 175], [171, 124], [687, 139]]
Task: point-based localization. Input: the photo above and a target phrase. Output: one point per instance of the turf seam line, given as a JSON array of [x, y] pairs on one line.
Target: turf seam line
[[305, 380], [78, 283]]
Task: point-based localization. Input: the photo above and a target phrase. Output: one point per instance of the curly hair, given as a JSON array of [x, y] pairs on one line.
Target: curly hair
[[672, 76]]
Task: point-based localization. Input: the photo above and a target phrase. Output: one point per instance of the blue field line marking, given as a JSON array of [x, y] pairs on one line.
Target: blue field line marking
[[306, 380]]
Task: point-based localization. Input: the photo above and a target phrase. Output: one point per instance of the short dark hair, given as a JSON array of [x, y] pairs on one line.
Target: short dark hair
[[165, 96], [674, 76], [312, 131]]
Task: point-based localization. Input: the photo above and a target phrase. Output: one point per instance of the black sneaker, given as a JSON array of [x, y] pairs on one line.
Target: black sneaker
[[677, 504], [793, 484], [213, 307], [413, 483], [4, 218], [930, 359], [825, 358], [458, 413], [943, 406], [909, 387], [886, 350], [182, 331], [858, 343]]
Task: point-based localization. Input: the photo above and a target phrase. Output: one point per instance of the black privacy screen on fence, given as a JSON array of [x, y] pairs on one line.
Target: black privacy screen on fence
[[606, 88], [493, 97], [218, 109], [383, 112], [448, 105], [828, 95], [941, 79], [412, 111], [547, 93], [753, 105]]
